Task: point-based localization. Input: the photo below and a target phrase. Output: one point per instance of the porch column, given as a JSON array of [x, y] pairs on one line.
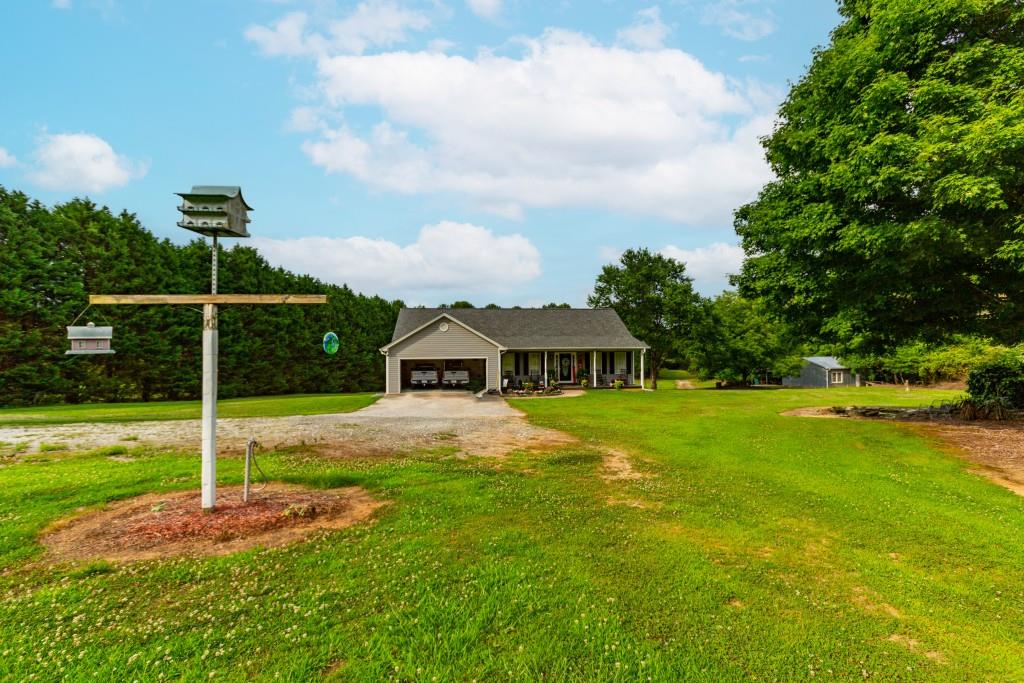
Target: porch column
[[544, 369], [501, 371], [593, 369], [643, 352]]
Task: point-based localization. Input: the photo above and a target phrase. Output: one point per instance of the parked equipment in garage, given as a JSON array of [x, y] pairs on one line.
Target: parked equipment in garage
[[455, 378], [424, 376]]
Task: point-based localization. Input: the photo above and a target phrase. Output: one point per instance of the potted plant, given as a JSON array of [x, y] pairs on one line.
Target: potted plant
[[619, 384], [584, 382]]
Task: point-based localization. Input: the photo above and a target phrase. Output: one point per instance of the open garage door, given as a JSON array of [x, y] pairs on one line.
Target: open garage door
[[465, 374]]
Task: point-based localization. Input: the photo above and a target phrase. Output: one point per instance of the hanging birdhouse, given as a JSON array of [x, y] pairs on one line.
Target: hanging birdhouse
[[89, 340]]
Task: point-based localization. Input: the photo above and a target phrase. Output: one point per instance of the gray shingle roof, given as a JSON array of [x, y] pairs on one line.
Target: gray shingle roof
[[532, 328], [216, 191], [90, 332], [827, 362]]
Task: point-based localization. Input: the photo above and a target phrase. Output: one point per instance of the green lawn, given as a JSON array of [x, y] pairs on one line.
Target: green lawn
[[263, 406], [766, 547]]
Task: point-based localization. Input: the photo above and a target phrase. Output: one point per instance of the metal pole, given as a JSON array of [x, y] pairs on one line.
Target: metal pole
[[210, 344], [213, 268], [248, 461]]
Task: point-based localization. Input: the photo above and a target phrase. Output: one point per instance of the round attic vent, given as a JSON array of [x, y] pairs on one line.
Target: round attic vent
[[443, 327]]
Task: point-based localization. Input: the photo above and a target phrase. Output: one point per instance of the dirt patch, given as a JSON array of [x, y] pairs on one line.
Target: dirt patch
[[501, 437], [632, 502], [914, 645], [996, 449], [617, 466], [159, 525], [684, 384], [869, 601], [825, 412]]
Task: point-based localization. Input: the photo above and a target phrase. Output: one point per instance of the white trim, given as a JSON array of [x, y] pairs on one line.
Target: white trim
[[430, 322], [643, 352]]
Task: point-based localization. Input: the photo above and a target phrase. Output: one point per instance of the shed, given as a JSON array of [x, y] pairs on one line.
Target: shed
[[821, 372]]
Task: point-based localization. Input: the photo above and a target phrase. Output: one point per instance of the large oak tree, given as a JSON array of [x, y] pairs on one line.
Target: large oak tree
[[898, 208]]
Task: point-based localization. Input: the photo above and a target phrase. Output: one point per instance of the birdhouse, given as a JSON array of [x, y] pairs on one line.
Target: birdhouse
[[214, 211], [89, 340]]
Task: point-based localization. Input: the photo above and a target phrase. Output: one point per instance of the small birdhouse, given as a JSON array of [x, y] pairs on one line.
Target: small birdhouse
[[89, 340], [214, 211]]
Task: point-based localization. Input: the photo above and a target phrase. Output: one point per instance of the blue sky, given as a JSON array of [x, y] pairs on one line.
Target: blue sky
[[490, 150]]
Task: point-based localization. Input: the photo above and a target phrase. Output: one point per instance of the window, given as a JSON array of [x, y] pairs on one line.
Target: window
[[837, 377]]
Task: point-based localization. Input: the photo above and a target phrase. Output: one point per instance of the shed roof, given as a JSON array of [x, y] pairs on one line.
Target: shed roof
[[531, 328], [827, 362], [90, 332]]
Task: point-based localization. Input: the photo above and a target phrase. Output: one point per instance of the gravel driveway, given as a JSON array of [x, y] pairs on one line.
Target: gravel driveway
[[394, 424]]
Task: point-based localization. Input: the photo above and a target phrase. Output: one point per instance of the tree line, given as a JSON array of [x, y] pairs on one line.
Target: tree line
[[51, 259]]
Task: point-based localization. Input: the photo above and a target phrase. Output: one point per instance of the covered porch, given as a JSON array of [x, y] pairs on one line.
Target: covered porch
[[601, 368]]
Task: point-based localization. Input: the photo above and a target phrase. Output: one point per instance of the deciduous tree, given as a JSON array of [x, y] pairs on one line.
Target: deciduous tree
[[655, 299], [898, 208]]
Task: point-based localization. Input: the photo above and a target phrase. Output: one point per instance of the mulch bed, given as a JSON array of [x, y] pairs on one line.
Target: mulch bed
[[159, 525]]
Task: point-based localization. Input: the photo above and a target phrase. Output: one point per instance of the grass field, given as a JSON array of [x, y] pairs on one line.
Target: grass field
[[264, 406], [758, 547]]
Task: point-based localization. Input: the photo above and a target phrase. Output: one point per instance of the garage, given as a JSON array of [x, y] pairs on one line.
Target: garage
[[443, 344], [455, 373]]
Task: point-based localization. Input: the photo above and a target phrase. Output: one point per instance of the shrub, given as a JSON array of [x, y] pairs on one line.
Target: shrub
[[619, 384], [1000, 381]]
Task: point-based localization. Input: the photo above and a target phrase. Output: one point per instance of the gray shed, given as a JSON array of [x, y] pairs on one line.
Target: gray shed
[[821, 372]]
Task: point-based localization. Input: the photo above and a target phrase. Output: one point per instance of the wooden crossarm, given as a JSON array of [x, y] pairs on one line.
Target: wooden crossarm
[[136, 299]]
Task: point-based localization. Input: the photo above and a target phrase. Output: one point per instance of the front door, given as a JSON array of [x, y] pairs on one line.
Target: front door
[[565, 365]]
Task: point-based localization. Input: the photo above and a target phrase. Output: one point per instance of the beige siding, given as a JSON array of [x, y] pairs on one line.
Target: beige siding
[[394, 376], [431, 343]]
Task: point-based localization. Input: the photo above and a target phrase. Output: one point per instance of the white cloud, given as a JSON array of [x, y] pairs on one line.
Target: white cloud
[[62, 4], [6, 158], [568, 122], [447, 256], [710, 266], [373, 23], [286, 37], [81, 162], [736, 21], [488, 9], [440, 45], [648, 32], [305, 120]]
